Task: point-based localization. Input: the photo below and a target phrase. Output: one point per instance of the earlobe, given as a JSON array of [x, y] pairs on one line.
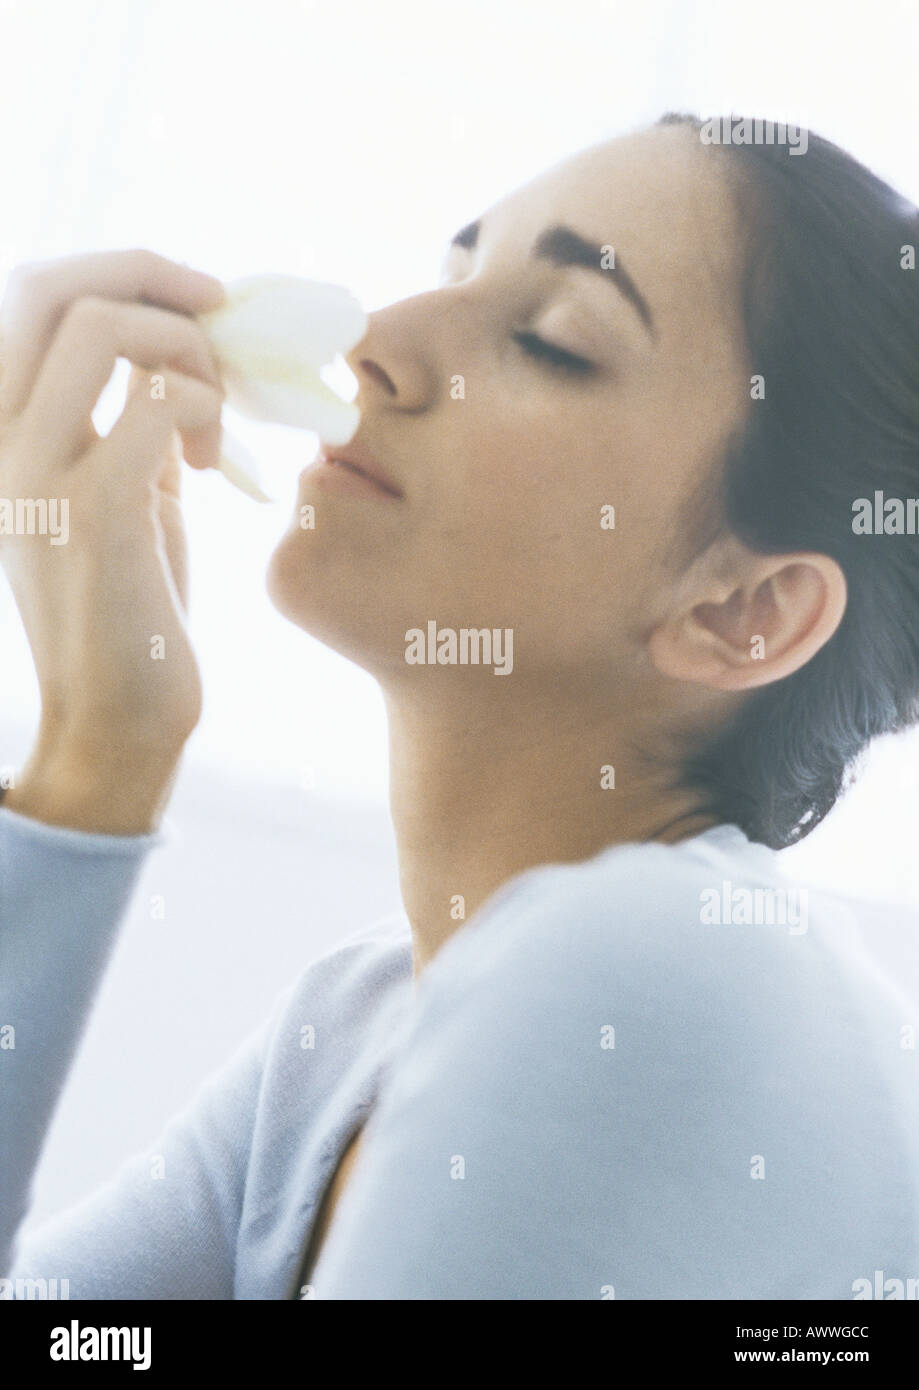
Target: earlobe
[[771, 624]]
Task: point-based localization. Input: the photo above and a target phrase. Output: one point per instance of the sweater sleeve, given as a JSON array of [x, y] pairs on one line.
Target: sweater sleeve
[[163, 1227], [600, 1096]]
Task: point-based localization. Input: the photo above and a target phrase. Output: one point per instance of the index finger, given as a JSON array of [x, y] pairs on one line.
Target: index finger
[[170, 479], [37, 294]]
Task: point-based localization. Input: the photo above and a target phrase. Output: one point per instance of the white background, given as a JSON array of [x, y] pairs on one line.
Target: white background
[[348, 141]]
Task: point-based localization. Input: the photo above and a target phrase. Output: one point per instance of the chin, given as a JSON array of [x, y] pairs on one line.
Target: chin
[[284, 578], [294, 584], [330, 602]]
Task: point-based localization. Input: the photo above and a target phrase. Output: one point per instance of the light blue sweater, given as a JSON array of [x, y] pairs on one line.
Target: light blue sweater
[[606, 1084]]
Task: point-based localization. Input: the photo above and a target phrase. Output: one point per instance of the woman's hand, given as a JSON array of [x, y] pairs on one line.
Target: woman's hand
[[103, 600]]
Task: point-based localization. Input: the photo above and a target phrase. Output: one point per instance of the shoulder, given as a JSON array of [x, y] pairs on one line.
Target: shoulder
[[700, 959], [326, 1015], [374, 955], [633, 914], [614, 1068]]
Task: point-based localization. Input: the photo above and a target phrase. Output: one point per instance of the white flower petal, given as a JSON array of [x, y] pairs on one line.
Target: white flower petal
[[240, 468], [286, 318], [306, 404], [270, 339]]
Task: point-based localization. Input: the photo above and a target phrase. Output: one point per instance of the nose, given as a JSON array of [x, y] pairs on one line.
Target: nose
[[369, 367], [399, 362]]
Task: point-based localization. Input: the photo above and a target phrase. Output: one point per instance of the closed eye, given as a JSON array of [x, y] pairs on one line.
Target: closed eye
[[551, 354]]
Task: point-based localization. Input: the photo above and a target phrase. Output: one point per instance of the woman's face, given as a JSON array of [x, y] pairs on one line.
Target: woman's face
[[506, 460]]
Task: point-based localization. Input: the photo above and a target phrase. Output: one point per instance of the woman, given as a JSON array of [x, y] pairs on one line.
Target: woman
[[609, 1052]]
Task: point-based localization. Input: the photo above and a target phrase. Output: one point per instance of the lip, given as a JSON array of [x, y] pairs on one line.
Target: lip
[[356, 459]]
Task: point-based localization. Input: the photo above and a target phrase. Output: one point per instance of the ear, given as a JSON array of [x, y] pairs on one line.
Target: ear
[[754, 626]]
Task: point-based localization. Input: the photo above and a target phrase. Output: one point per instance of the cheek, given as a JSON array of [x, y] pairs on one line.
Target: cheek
[[557, 534], [533, 556], [532, 496]]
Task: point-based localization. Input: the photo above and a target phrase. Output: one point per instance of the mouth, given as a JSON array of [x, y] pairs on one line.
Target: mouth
[[358, 463]]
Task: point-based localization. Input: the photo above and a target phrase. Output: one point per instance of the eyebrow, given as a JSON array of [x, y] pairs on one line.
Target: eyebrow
[[562, 246]]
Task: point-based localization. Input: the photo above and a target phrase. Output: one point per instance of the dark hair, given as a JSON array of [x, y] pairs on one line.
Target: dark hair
[[831, 316]]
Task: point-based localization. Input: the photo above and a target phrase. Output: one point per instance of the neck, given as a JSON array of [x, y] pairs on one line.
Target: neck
[[480, 792]]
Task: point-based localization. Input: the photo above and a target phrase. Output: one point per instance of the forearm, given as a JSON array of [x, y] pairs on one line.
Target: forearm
[[63, 895]]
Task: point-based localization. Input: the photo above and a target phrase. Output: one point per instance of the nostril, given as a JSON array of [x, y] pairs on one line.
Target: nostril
[[374, 370]]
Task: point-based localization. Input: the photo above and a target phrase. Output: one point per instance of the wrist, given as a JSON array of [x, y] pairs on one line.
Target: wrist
[[96, 790]]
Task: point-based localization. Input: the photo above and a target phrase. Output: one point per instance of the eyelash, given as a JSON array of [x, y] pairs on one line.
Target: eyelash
[[554, 357]]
